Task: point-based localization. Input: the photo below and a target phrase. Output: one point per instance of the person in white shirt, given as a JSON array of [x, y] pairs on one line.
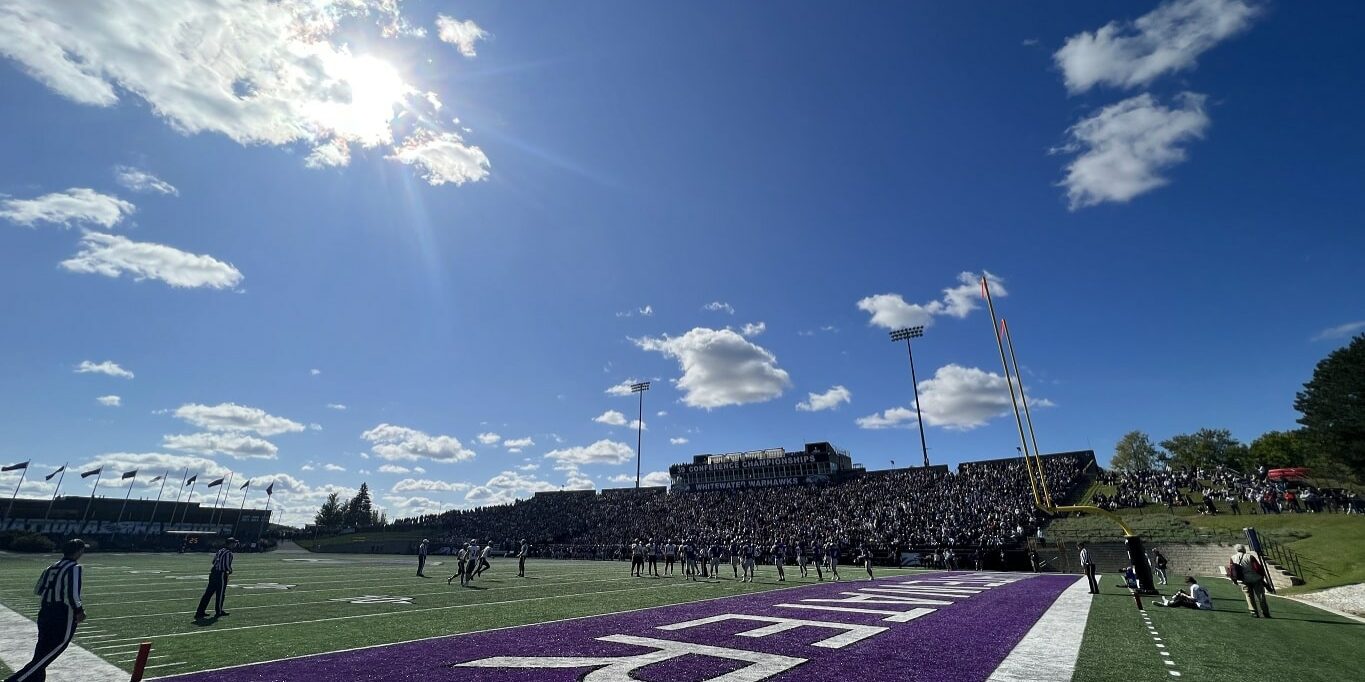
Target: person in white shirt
[[1089, 567], [1195, 597]]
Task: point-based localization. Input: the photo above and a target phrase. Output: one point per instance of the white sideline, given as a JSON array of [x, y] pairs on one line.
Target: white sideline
[[1050, 649], [17, 637]]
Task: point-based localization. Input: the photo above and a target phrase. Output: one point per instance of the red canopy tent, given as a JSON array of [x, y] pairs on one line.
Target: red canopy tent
[[1287, 473]]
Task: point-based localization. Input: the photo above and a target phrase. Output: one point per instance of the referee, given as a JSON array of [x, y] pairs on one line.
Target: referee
[[422, 558], [60, 589], [218, 577]]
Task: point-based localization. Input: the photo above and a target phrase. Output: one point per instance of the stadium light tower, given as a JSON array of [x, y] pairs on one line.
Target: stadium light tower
[[639, 426], [905, 334]]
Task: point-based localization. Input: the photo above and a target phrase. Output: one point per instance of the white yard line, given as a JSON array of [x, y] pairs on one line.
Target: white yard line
[[210, 630], [1160, 645], [18, 636], [1050, 649]]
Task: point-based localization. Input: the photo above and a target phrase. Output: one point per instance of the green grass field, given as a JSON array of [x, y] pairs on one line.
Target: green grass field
[[338, 601], [131, 598]]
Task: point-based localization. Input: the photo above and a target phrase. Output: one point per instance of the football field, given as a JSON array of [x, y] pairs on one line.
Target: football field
[[335, 616]]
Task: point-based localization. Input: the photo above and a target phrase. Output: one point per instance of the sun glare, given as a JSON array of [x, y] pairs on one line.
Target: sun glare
[[376, 92]]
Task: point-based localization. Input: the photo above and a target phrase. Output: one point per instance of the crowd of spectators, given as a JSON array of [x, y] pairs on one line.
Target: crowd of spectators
[[984, 507], [1222, 490]]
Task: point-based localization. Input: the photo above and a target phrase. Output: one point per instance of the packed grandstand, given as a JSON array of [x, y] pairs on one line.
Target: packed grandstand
[[983, 507]]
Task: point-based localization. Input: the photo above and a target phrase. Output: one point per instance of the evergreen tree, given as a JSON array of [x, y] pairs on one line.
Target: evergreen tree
[[331, 513], [359, 510], [1332, 405], [1134, 452]]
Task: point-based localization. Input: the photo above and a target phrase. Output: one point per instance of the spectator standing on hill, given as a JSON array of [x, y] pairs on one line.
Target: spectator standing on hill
[[421, 557], [218, 578], [1089, 567], [59, 590], [1246, 569]]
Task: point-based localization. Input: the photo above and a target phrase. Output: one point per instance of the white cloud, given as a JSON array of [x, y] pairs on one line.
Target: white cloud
[[489, 438], [518, 443], [719, 307], [234, 417], [528, 467], [1168, 39], [1340, 331], [655, 478], [107, 367], [276, 73], [506, 487], [645, 311], [408, 485], [678, 440], [314, 372], [405, 507], [235, 445], [828, 400], [314, 426], [109, 400], [333, 467], [336, 406], [75, 206], [622, 389], [957, 398], [1123, 148], [462, 34], [140, 180], [661, 413], [393, 469], [753, 329], [636, 424], [602, 452], [721, 368], [112, 255], [307, 467], [890, 311], [401, 443], [442, 157], [611, 418]]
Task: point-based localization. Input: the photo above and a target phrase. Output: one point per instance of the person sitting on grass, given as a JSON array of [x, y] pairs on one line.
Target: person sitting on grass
[[1194, 597]]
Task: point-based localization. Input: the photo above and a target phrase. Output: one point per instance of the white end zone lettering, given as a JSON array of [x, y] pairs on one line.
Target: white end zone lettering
[[619, 668], [374, 599], [854, 633]]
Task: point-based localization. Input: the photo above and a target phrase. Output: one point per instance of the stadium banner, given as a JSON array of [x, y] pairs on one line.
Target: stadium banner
[[889, 629], [746, 483], [739, 462]]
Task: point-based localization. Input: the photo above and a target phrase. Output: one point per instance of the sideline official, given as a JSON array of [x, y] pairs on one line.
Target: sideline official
[[422, 558], [218, 579], [59, 587]]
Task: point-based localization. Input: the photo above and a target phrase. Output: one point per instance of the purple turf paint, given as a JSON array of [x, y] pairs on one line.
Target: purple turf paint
[[962, 640]]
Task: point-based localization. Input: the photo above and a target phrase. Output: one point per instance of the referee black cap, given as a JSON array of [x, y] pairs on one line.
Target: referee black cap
[[73, 547], [231, 541]]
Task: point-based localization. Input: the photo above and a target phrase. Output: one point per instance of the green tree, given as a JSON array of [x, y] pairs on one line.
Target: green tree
[[1332, 405], [358, 512], [1279, 449], [1206, 448], [331, 514], [1134, 452]]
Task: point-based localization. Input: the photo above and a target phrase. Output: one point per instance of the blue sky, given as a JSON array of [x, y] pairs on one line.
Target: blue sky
[[1169, 193]]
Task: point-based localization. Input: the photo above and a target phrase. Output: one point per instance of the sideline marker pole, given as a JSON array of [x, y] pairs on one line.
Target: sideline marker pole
[[140, 665]]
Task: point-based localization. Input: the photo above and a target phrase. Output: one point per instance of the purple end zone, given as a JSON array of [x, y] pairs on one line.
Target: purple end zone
[[965, 639]]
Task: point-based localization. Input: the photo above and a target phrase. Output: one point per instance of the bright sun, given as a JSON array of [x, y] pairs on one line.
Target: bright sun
[[376, 91]]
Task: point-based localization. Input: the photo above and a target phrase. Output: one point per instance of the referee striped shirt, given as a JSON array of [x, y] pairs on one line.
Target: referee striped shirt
[[222, 561], [61, 584]]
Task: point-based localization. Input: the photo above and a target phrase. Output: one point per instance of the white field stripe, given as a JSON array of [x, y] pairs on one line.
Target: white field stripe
[[17, 637], [202, 631], [1050, 648], [452, 590], [163, 665], [372, 588], [510, 627]]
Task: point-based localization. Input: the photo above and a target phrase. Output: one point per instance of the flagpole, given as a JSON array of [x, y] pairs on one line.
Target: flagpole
[[178, 492], [189, 499], [22, 474], [126, 496], [268, 496], [91, 503], [219, 499], [60, 478], [151, 520], [238, 520]]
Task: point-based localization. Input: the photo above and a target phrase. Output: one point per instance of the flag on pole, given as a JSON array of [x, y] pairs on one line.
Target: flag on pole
[[59, 470], [16, 467], [244, 485], [1002, 326], [217, 482], [129, 474], [92, 472], [158, 478], [270, 489], [191, 480]]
